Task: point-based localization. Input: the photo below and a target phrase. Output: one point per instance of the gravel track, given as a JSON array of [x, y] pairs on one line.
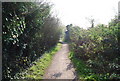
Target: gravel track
[[61, 66]]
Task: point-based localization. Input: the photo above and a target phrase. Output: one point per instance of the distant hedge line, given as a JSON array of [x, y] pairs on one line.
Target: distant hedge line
[[28, 30]]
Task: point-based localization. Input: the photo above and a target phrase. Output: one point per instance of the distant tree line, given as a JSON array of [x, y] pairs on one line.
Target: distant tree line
[[28, 30]]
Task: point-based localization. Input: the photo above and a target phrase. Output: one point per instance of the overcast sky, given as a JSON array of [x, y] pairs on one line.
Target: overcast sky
[[77, 11]]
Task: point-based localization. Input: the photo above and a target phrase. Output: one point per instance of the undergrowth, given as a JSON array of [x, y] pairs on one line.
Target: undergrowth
[[85, 73], [37, 70]]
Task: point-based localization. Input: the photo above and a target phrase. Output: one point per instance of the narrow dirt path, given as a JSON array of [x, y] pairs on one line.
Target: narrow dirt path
[[61, 67]]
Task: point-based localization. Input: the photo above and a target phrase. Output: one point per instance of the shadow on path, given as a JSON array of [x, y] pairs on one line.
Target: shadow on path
[[56, 75], [69, 66]]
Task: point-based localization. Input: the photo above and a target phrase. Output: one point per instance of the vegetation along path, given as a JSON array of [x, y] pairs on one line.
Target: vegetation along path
[[61, 66]]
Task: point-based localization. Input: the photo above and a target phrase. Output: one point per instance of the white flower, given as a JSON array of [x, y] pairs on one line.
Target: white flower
[[14, 36]]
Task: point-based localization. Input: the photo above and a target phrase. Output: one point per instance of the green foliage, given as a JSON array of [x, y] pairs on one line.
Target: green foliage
[[37, 70], [98, 48], [83, 71], [28, 31]]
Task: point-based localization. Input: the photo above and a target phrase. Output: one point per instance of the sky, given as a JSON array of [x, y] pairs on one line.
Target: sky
[[78, 12]]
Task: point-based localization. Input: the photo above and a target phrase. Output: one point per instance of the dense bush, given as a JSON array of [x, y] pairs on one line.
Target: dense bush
[[98, 47], [28, 31]]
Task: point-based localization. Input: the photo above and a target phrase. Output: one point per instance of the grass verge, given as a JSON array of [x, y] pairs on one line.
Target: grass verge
[[85, 73], [38, 69]]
